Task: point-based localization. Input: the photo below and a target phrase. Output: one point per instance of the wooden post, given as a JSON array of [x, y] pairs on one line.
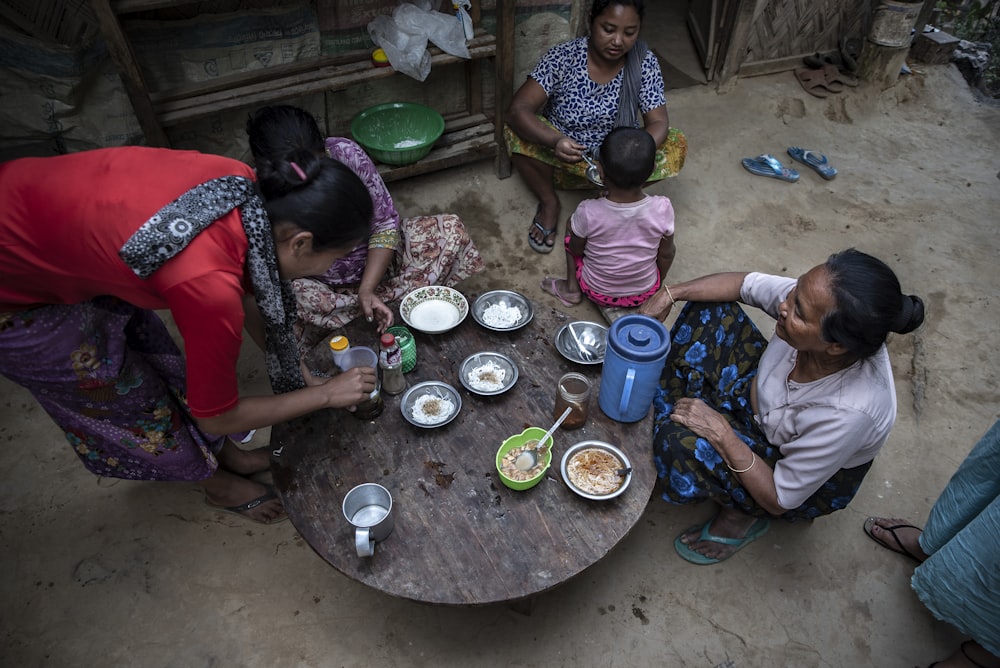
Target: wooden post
[[881, 65], [504, 81]]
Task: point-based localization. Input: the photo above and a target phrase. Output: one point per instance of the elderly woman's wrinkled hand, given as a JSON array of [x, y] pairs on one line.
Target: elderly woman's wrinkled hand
[[658, 306], [697, 416]]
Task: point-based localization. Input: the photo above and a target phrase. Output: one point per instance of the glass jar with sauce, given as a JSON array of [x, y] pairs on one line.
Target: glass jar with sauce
[[573, 390]]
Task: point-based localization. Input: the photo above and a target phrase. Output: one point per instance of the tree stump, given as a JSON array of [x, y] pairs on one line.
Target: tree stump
[[881, 65]]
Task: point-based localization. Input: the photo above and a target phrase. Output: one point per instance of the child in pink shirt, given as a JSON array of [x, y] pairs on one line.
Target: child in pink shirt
[[619, 246]]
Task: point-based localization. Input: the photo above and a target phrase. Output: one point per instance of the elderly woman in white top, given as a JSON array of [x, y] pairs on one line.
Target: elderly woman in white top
[[782, 429]]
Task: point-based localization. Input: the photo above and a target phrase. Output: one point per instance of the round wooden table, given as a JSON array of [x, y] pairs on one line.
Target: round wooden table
[[461, 537]]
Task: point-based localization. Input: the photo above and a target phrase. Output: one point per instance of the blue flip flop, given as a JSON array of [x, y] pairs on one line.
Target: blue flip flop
[[767, 165], [756, 530], [813, 159]]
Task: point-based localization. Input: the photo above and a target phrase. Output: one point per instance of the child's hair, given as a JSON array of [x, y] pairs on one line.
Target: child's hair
[[628, 157]]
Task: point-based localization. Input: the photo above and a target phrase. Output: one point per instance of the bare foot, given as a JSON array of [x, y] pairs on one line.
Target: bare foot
[[227, 490], [243, 462], [729, 523], [897, 535]]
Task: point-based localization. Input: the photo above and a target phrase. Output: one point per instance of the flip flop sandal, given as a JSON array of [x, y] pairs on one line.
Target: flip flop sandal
[[542, 247], [757, 529], [818, 60], [814, 82], [815, 160], [870, 522], [549, 284], [835, 76], [850, 52], [242, 509], [767, 165]]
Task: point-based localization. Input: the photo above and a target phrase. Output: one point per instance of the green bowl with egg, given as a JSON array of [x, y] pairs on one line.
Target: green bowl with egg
[[510, 448]]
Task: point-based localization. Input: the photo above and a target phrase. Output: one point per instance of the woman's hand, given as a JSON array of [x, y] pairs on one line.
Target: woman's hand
[[568, 150], [347, 389], [658, 306], [375, 310], [697, 416]]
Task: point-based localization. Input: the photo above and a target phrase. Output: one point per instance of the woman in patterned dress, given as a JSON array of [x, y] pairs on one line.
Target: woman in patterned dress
[[811, 408], [92, 243], [399, 254], [578, 92]]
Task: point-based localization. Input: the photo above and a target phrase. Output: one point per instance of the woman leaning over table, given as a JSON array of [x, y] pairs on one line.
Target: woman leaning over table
[[578, 92], [786, 428], [91, 243]]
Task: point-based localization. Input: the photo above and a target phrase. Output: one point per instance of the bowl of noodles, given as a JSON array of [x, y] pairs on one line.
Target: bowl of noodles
[[430, 404], [510, 474], [596, 470], [487, 373]]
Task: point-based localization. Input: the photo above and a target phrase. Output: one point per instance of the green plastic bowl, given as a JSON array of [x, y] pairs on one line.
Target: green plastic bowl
[[529, 434], [397, 133]]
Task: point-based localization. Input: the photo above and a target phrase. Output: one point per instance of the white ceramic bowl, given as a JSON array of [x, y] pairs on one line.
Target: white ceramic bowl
[[592, 338], [576, 450], [434, 309], [429, 391], [496, 364], [500, 303]]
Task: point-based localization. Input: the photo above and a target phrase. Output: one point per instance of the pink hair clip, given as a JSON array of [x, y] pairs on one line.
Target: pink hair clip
[[298, 170]]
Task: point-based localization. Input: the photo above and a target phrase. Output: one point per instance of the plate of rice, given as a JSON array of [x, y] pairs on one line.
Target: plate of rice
[[430, 404], [502, 310], [487, 373]]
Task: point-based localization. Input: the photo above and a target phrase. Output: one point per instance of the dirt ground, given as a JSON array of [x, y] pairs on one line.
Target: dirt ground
[[115, 573]]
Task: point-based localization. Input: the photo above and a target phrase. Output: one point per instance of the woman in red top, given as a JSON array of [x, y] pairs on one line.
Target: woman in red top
[[92, 243]]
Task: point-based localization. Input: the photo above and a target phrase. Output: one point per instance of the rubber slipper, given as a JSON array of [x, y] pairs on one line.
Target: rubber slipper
[[815, 160], [818, 60], [242, 508], [757, 529], [550, 285], [835, 76], [767, 165], [543, 247], [870, 522], [814, 82], [850, 52]]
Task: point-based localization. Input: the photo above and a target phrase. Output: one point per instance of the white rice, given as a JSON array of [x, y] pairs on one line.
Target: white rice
[[487, 377], [501, 315], [431, 409]]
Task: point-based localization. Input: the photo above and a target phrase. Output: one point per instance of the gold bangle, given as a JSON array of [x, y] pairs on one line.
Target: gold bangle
[[667, 289], [753, 460]]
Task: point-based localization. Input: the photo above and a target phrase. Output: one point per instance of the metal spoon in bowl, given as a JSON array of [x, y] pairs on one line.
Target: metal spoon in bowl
[[593, 175], [584, 351], [529, 458]]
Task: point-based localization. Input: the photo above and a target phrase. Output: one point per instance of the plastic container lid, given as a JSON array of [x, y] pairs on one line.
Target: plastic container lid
[[379, 59], [639, 338], [387, 340], [339, 344]]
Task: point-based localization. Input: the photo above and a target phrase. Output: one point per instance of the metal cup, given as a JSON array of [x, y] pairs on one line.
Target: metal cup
[[368, 508], [358, 356]]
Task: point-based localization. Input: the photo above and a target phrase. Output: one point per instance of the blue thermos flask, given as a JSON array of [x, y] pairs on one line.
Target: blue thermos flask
[[636, 351]]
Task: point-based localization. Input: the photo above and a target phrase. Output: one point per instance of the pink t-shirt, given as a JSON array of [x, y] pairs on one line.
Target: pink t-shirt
[[622, 242]]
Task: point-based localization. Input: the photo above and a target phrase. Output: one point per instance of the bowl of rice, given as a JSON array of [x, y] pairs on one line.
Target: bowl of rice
[[596, 470], [430, 404], [487, 373], [502, 310], [510, 449]]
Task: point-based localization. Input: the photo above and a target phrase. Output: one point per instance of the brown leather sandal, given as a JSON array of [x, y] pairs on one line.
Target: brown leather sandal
[[814, 82]]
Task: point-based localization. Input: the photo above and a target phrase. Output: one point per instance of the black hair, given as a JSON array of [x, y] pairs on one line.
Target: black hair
[[628, 157], [600, 5], [332, 203], [300, 184], [868, 303]]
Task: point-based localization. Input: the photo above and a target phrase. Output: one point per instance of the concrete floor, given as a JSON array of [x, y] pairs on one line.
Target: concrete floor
[[116, 573]]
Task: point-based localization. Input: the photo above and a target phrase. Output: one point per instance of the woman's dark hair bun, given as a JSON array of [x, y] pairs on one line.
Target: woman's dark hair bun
[[911, 315]]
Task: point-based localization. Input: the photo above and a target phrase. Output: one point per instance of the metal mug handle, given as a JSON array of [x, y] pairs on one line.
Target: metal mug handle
[[626, 391], [364, 542]]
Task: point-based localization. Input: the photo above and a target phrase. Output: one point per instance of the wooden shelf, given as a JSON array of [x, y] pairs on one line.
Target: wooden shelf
[[471, 136]]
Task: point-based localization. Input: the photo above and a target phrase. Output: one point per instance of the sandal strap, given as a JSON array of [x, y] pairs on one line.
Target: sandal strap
[[969, 658]]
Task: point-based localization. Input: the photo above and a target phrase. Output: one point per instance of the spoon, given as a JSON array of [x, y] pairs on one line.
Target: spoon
[[584, 351], [593, 175], [529, 458]]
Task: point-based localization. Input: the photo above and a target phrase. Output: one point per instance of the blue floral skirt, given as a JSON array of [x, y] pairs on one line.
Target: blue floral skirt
[[714, 352]]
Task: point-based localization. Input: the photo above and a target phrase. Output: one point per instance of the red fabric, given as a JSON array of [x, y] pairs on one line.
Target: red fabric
[[64, 219]]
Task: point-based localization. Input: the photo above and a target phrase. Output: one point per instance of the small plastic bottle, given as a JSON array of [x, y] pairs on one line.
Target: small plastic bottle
[[390, 359], [339, 345]]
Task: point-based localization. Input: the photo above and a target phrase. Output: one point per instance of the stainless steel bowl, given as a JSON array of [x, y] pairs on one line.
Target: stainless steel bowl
[[435, 389], [507, 298], [598, 445], [474, 361], [582, 341]]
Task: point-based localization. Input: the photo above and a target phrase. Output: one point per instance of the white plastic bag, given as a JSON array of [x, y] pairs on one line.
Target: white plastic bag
[[404, 35]]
